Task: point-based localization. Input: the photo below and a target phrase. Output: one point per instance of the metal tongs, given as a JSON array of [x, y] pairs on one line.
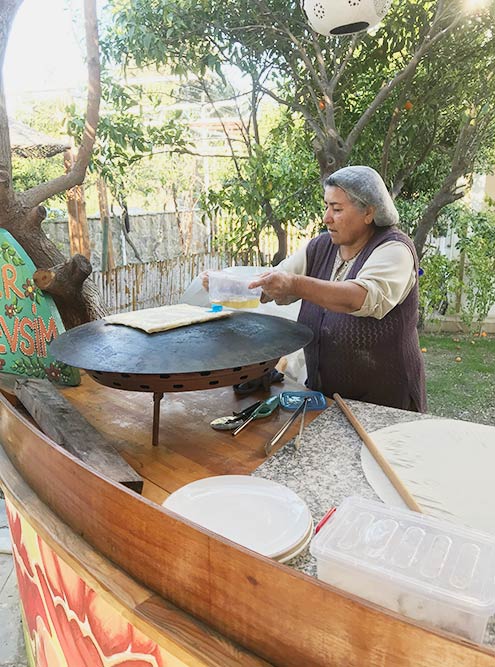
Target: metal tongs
[[273, 441]]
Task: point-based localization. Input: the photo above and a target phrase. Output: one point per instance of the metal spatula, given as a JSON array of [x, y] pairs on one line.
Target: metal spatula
[[297, 441], [273, 441]]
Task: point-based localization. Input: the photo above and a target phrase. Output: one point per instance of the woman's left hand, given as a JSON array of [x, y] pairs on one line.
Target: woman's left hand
[[278, 285]]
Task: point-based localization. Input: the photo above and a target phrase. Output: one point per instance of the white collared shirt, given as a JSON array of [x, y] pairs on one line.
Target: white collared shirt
[[388, 276]]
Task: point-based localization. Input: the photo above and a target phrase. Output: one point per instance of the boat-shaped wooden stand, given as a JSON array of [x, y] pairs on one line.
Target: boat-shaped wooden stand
[[108, 577]]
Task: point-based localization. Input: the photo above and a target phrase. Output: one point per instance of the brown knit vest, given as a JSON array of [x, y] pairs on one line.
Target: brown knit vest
[[363, 358]]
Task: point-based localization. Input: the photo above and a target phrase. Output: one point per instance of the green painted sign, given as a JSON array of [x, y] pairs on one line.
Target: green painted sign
[[29, 319]]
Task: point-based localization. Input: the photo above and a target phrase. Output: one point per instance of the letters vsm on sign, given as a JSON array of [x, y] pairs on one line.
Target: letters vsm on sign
[[29, 319]]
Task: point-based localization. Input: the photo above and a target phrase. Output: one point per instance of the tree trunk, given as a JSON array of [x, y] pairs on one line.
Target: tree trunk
[[279, 231], [107, 260], [25, 227], [331, 155], [446, 195], [21, 213], [282, 243], [76, 213]]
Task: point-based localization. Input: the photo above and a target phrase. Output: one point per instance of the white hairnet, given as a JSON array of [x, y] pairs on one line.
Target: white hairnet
[[367, 185]]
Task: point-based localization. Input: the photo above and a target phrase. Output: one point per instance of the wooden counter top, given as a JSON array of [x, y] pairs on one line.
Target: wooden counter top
[[189, 448]]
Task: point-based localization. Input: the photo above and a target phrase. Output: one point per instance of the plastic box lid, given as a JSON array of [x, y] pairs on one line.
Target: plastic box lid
[[225, 285], [438, 559]]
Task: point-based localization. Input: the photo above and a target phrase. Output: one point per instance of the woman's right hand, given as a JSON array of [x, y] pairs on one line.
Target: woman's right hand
[[276, 285]]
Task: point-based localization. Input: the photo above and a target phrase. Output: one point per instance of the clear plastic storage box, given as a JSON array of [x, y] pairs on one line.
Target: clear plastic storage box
[[231, 290], [439, 573]]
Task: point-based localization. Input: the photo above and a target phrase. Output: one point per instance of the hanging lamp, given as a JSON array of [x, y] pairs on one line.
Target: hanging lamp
[[344, 17]]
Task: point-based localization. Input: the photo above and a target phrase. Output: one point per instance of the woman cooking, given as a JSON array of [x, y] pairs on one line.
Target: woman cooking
[[359, 291]]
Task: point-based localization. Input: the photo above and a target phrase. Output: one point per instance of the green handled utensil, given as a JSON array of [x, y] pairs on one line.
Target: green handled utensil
[[234, 420], [263, 410]]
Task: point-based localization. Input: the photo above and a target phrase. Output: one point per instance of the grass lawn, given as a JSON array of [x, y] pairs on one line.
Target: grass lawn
[[462, 389]]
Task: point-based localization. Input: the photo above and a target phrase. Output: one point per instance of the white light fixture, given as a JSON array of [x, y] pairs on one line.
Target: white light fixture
[[344, 17]]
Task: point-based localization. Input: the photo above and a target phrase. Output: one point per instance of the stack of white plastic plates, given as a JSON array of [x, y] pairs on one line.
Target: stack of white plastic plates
[[259, 514]]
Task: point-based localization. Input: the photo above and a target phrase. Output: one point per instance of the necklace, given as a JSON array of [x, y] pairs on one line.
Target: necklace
[[350, 258], [344, 264]]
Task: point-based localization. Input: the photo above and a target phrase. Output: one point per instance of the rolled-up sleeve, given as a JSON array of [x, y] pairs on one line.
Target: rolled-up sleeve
[[296, 263], [388, 275]]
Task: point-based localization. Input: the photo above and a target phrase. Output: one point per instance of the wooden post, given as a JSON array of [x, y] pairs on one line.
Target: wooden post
[[76, 210], [107, 260]]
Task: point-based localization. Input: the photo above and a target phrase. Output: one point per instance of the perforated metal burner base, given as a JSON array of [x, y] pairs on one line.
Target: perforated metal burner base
[[163, 382], [159, 384]]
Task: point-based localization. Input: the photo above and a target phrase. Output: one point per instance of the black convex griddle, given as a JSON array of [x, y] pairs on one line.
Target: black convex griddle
[[216, 353]]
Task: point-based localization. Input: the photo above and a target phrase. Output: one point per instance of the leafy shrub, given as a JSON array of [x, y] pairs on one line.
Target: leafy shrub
[[438, 285], [476, 233], [471, 275]]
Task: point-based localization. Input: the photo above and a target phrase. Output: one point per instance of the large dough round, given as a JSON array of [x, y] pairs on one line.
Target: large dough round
[[448, 466]]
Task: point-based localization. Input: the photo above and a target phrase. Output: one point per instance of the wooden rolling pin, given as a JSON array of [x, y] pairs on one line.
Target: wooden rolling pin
[[377, 455]]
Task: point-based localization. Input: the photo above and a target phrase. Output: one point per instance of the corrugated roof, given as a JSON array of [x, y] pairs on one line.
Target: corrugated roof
[[27, 142]]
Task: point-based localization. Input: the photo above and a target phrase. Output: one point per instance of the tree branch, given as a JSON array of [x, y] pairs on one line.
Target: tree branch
[[64, 279], [340, 70], [429, 41], [41, 192], [227, 136], [449, 191], [301, 50], [254, 110], [405, 173], [301, 109]]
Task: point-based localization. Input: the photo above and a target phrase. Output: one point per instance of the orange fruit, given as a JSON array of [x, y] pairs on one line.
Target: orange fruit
[[408, 105], [458, 358], [484, 334], [321, 105], [424, 349]]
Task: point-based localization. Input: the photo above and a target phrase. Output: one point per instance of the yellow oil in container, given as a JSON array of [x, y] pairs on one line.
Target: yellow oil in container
[[240, 303]]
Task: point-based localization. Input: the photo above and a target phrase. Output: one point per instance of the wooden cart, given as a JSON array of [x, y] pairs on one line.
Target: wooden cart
[[109, 577]]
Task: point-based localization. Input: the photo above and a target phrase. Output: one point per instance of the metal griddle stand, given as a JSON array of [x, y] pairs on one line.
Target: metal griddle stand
[[160, 383], [219, 353]]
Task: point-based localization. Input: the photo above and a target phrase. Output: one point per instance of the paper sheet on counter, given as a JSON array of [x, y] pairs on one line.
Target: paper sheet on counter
[[163, 318]]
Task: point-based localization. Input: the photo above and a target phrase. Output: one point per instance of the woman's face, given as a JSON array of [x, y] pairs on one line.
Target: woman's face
[[348, 224]]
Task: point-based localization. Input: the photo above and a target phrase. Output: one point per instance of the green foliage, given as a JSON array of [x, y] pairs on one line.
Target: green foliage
[[411, 136], [472, 273], [29, 172], [277, 184], [47, 117], [437, 286], [411, 211], [126, 135], [477, 241]]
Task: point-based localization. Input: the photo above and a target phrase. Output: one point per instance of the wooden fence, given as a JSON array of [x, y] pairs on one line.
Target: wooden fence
[[137, 286]]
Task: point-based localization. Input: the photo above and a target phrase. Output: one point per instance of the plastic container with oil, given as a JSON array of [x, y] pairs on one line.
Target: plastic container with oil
[[231, 290]]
